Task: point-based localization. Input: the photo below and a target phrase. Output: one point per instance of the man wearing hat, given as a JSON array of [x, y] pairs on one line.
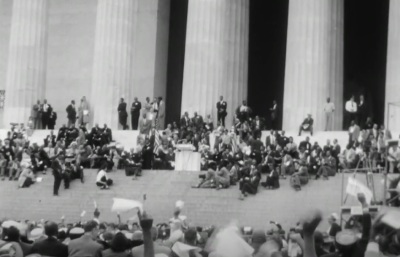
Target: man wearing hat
[[86, 244], [50, 246]]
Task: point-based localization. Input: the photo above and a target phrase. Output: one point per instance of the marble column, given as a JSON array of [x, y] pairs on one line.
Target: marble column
[[314, 62], [26, 73], [113, 59], [392, 111], [216, 56]]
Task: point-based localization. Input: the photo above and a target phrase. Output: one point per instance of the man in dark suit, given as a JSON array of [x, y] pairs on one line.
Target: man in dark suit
[[46, 110], [307, 125], [283, 139], [50, 139], [274, 115], [306, 145], [72, 134], [135, 113], [185, 120], [51, 123], [58, 167], [243, 111], [122, 114], [362, 111], [197, 121], [221, 110], [50, 246], [86, 244], [71, 113], [107, 134]]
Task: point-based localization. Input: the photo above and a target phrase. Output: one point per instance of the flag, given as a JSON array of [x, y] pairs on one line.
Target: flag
[[157, 140], [123, 205], [354, 187]]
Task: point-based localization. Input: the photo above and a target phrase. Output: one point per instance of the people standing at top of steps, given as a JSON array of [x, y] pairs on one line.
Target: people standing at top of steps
[[329, 110], [37, 115], [71, 113], [221, 110], [307, 125], [83, 112], [122, 115], [351, 111], [161, 114], [135, 113], [46, 111]]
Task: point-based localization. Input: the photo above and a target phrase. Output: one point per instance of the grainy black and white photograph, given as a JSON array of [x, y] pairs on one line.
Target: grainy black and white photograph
[[199, 128]]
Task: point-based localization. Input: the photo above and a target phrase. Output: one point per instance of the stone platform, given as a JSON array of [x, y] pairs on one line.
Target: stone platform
[[164, 188]]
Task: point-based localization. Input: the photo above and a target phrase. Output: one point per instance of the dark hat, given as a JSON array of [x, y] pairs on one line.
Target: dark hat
[[258, 237]]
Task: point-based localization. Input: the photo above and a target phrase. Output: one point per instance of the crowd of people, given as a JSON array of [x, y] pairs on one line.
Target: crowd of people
[[363, 234], [229, 157]]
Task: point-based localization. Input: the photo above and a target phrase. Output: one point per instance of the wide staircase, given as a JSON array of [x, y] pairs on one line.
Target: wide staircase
[[163, 189]]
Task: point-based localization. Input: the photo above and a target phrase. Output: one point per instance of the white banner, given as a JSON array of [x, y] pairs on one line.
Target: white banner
[[354, 187]]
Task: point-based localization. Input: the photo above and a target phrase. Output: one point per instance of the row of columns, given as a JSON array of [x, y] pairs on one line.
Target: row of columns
[[216, 58], [216, 55], [129, 56]]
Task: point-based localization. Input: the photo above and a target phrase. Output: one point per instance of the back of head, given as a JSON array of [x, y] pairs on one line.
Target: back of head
[[90, 226], [13, 234], [191, 236], [51, 229], [119, 243]]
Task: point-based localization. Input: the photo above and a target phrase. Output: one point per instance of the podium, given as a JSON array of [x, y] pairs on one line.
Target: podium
[[186, 159]]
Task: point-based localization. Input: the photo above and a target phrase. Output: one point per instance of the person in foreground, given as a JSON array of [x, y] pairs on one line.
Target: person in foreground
[[86, 244], [50, 246]]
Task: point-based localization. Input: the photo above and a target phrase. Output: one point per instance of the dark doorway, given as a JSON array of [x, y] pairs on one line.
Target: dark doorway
[[176, 58], [267, 53], [365, 49]]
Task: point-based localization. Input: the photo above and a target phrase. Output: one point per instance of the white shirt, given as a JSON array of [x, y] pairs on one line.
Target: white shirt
[[351, 106], [243, 108], [100, 175], [329, 107]]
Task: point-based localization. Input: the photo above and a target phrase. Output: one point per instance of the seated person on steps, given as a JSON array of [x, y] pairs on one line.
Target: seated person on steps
[[102, 179], [328, 167], [300, 177], [307, 125], [216, 178], [272, 180], [249, 184]]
